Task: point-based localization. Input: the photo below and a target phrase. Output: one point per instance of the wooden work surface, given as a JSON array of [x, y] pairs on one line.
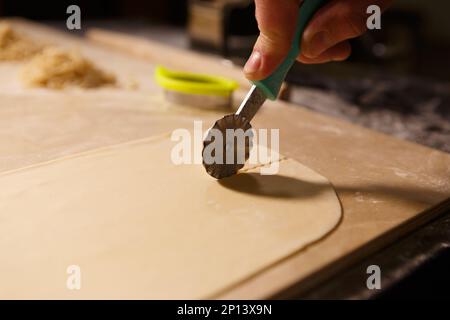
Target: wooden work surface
[[386, 186]]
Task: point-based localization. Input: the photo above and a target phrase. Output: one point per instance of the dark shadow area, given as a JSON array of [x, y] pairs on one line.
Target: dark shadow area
[[274, 186], [429, 281], [279, 186]]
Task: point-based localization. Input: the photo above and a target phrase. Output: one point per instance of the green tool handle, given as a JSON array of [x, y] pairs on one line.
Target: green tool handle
[[272, 84]]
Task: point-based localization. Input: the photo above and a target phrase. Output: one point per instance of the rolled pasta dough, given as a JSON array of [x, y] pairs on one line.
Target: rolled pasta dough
[[139, 226]]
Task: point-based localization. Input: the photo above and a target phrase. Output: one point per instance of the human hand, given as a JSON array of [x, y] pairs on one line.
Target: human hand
[[324, 39]]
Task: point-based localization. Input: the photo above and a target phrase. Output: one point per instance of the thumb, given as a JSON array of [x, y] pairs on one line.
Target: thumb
[[276, 23]]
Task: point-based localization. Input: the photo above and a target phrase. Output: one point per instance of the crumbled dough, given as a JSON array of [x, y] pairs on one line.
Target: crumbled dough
[[132, 84], [15, 46], [57, 68]]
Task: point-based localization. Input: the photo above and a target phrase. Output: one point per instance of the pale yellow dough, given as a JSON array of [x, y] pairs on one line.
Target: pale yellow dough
[[57, 68], [140, 227], [15, 46]]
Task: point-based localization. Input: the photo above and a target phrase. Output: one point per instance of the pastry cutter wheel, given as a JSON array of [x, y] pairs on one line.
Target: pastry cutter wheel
[[196, 90], [218, 165]]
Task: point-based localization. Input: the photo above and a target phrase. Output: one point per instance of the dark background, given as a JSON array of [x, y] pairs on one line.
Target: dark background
[[173, 11], [419, 30]]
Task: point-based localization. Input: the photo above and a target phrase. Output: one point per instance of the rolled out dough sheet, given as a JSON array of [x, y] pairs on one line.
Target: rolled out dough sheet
[[140, 227]]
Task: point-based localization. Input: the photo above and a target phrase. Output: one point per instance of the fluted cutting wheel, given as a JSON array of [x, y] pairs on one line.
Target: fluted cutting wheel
[[216, 164]]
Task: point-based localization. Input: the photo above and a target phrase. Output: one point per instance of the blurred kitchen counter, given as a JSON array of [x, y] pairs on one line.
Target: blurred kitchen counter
[[411, 108]]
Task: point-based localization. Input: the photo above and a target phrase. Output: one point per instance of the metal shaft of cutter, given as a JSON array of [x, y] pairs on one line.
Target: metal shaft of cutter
[[251, 104]]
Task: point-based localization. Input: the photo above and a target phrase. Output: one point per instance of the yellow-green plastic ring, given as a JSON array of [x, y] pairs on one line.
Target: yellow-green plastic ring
[[191, 83]]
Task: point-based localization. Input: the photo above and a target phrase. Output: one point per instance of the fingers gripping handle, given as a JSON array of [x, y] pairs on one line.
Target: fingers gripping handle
[[272, 84]]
